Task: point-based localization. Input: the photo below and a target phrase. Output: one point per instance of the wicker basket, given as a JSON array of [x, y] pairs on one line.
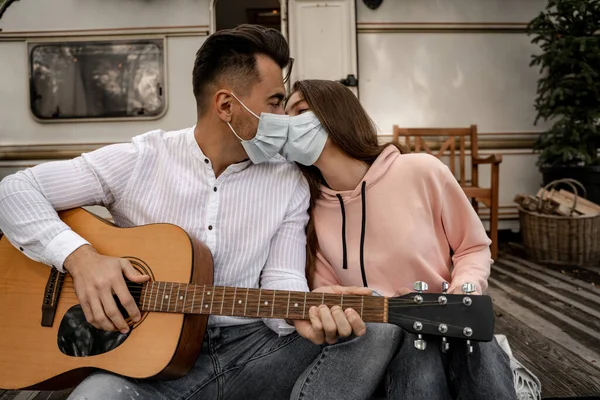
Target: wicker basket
[[561, 240]]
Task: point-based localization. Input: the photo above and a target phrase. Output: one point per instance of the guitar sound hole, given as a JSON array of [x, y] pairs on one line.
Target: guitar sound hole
[[78, 338]]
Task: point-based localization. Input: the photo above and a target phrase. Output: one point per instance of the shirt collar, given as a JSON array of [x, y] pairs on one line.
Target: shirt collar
[[199, 154]]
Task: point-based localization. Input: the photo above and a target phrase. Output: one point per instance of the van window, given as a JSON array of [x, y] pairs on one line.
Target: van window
[[117, 79]]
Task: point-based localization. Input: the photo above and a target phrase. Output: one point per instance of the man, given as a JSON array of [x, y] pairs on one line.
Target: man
[[224, 183]]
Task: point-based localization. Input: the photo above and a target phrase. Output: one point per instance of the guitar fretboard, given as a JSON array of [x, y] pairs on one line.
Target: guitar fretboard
[[257, 303]]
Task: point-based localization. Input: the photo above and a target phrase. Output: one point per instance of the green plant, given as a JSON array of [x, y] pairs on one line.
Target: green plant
[[568, 92]]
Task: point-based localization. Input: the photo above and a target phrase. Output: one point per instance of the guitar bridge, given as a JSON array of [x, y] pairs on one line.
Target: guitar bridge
[[51, 296]]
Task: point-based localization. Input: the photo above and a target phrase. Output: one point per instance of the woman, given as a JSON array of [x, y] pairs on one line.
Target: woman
[[384, 219]]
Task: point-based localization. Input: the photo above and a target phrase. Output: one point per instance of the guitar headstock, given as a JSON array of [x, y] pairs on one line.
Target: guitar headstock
[[460, 316]]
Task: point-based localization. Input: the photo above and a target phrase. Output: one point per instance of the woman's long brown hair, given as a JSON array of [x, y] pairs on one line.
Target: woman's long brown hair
[[350, 128]]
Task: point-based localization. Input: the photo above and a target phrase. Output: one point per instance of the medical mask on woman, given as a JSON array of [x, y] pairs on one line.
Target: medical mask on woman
[[306, 139], [270, 135]]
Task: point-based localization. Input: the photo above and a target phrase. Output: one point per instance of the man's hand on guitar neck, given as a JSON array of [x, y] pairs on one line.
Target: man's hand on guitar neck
[[96, 278], [326, 324]]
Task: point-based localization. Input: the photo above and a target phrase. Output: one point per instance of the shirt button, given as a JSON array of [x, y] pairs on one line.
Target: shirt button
[[210, 227], [215, 189], [20, 248], [206, 160]]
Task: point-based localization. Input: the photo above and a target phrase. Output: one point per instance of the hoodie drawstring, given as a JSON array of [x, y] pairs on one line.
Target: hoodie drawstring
[[345, 261], [362, 233]]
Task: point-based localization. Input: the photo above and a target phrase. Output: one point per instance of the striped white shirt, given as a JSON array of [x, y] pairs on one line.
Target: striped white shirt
[[252, 217]]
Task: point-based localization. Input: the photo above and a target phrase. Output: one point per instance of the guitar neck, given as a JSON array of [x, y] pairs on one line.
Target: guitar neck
[[258, 303]]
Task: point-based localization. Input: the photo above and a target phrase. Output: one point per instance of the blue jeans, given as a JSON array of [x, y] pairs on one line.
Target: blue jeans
[[252, 362], [409, 373]]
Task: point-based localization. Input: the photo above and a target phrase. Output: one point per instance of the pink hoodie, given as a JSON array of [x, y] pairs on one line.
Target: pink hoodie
[[398, 226]]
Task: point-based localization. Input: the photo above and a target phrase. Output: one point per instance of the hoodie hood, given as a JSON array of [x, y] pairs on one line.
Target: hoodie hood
[[379, 168]]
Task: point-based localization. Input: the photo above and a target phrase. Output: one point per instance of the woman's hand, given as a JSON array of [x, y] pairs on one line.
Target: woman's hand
[[326, 325]]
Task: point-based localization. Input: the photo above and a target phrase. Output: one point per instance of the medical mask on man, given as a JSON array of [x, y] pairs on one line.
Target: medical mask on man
[[270, 135], [306, 139]]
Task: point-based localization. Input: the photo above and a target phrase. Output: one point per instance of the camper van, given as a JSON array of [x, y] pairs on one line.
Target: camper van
[[76, 75], [79, 74]]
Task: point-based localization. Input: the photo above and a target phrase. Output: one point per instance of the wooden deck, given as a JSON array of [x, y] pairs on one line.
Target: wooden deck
[[550, 315]]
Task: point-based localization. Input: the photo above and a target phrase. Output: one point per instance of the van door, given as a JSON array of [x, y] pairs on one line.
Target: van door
[[322, 37]]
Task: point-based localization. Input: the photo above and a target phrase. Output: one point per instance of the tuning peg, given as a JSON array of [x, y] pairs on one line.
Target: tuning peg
[[468, 332], [445, 286], [419, 342], [469, 348], [445, 345], [421, 286], [468, 288], [442, 299], [443, 328]]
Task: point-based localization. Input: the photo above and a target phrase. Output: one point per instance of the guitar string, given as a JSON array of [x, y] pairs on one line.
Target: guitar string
[[352, 302], [266, 293], [138, 287], [299, 296], [137, 290], [229, 298]]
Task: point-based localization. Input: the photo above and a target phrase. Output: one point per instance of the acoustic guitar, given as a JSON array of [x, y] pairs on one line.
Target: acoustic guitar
[[46, 343]]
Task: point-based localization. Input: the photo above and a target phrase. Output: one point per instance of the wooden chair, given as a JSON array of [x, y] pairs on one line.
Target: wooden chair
[[443, 142]]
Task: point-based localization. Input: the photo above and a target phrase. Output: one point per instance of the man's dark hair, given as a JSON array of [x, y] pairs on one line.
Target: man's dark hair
[[230, 55]]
